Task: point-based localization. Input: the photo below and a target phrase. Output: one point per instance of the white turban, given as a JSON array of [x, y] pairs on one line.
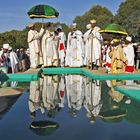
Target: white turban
[[92, 21], [6, 46], [31, 25], [128, 38], [74, 25], [88, 26]]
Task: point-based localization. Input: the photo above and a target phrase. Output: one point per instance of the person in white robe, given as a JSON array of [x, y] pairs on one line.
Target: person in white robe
[[129, 53], [86, 44], [49, 50], [14, 61], [35, 98], [61, 91], [108, 48], [75, 95], [75, 48], [95, 41], [50, 93], [61, 45], [4, 59], [35, 46], [92, 101]]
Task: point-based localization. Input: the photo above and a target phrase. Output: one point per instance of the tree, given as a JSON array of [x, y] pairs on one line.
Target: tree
[[128, 16], [101, 14]]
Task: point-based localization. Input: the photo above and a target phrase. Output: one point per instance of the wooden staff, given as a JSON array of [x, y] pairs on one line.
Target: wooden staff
[[91, 48]]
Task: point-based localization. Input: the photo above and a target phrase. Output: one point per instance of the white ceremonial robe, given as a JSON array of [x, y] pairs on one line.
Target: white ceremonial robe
[[49, 49], [14, 61], [129, 53], [108, 60], [86, 47], [35, 101], [61, 91], [50, 92], [75, 49], [1, 59], [35, 47], [95, 43], [93, 98], [74, 88], [61, 47]]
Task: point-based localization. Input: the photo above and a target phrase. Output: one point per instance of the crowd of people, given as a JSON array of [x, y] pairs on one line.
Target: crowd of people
[[14, 61], [51, 48]]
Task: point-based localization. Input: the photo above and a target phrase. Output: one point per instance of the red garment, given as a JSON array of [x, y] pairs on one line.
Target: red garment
[[61, 46], [108, 65], [129, 68], [61, 93]]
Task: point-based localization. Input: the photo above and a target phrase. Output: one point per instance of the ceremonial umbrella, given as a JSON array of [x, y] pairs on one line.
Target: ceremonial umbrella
[[43, 11], [113, 116], [114, 28], [43, 128]]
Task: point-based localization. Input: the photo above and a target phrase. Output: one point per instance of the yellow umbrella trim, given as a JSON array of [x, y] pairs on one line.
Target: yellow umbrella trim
[[120, 32], [48, 126], [113, 117], [41, 16]]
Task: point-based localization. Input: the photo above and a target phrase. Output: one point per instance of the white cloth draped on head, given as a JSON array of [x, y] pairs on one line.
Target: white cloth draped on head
[[6, 46]]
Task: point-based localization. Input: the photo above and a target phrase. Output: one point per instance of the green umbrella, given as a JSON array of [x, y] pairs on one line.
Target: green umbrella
[[43, 128], [43, 11], [114, 28], [113, 116]]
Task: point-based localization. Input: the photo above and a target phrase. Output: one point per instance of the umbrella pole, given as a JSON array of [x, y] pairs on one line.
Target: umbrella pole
[[91, 51]]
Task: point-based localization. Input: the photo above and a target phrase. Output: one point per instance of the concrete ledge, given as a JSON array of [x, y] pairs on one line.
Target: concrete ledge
[[91, 74], [96, 75], [133, 93]]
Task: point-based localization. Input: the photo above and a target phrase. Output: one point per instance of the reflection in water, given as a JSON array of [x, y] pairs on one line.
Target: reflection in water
[[7, 98], [6, 102], [50, 94], [92, 101], [43, 128], [8, 84], [44, 96], [64, 107], [75, 95], [114, 109]]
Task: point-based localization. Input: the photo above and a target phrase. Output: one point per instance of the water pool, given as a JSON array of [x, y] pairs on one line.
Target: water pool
[[82, 109]]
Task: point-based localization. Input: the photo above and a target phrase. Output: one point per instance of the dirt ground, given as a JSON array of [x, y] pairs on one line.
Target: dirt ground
[[4, 91]]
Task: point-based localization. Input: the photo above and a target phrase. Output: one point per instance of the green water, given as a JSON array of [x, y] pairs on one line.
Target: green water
[[81, 108]]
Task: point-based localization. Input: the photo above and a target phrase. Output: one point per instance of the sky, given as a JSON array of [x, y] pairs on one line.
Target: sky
[[13, 13]]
